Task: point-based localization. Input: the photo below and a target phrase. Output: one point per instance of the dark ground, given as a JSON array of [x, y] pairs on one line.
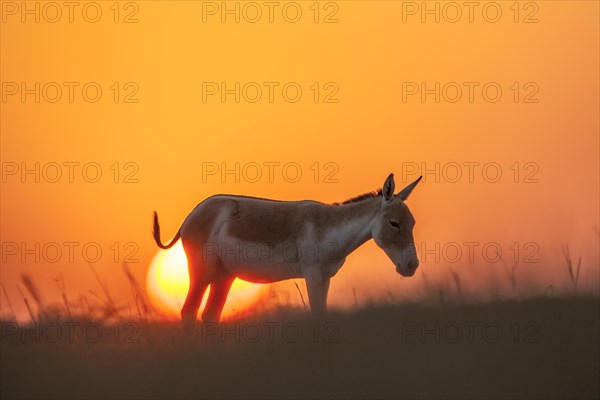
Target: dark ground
[[538, 348]]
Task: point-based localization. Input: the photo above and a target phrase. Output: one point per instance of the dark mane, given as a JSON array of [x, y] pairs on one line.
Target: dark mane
[[360, 197]]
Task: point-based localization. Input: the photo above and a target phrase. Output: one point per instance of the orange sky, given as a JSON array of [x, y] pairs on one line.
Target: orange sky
[[370, 57]]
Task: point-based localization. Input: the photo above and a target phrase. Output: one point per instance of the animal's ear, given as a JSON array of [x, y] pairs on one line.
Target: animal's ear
[[388, 188], [404, 193]]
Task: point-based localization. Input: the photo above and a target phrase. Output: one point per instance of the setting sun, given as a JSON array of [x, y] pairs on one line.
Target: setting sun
[[167, 284]]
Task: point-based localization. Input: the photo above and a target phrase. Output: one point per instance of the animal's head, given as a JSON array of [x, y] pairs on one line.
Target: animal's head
[[392, 228]]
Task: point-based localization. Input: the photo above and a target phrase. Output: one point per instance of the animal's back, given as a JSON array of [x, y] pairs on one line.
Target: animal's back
[[250, 219]]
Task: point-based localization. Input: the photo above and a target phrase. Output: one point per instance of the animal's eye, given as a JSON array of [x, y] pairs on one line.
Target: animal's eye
[[394, 224]]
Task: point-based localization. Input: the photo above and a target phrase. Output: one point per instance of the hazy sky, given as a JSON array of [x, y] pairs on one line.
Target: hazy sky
[[500, 114]]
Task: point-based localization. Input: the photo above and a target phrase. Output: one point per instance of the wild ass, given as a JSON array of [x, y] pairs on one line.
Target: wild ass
[[261, 240]]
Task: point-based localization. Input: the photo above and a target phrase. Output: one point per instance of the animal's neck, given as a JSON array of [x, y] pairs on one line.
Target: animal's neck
[[352, 225]]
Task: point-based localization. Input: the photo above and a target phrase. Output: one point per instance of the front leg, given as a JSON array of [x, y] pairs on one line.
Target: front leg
[[317, 287], [326, 282]]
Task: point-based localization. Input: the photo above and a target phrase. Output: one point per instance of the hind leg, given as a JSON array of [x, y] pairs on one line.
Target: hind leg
[[189, 311], [199, 279], [219, 289]]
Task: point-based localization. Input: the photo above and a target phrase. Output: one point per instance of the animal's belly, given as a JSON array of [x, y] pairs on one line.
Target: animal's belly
[[260, 263], [263, 273]]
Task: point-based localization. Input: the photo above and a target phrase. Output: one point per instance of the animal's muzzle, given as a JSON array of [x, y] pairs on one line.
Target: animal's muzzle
[[407, 269]]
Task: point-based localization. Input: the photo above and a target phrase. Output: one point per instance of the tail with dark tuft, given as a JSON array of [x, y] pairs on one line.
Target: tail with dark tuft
[[156, 234]]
